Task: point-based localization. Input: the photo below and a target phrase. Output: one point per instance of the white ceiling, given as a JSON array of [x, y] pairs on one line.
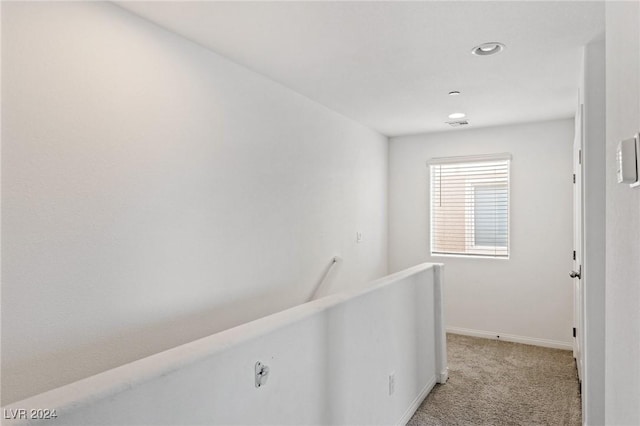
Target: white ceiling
[[390, 65]]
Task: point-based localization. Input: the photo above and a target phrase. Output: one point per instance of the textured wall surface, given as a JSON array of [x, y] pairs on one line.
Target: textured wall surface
[[528, 295], [623, 218], [154, 193]]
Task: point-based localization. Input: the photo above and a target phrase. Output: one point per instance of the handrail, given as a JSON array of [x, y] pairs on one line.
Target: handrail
[[318, 286]]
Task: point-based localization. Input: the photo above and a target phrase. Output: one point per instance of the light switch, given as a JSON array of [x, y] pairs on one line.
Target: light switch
[[627, 163]]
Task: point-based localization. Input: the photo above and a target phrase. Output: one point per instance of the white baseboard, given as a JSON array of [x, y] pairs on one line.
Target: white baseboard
[[416, 402], [511, 338]]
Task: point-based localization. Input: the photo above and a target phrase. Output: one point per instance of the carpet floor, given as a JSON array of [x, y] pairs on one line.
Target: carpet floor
[[492, 382]]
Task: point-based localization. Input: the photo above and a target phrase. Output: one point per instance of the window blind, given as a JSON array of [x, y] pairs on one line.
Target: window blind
[[470, 206]]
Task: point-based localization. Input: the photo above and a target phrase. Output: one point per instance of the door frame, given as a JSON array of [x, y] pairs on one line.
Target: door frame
[[593, 242], [578, 231]]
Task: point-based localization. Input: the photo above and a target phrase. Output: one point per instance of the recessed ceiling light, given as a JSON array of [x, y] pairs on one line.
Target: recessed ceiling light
[[454, 93], [457, 115], [486, 49]]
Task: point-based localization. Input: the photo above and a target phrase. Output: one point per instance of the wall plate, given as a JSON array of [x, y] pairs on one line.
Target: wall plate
[[637, 182], [626, 161]]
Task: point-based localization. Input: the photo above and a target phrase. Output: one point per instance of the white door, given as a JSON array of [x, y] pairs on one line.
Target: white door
[[578, 291]]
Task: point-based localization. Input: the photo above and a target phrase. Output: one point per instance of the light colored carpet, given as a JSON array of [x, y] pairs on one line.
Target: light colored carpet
[[492, 382]]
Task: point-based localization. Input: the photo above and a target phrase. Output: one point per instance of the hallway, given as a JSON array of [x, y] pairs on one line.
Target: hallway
[[316, 192], [502, 383]]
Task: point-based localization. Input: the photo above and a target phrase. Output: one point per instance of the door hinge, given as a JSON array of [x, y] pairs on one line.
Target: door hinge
[[574, 178], [574, 332], [579, 156], [574, 255]]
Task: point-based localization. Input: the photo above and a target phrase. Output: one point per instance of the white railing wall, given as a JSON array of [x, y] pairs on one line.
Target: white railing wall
[[329, 360]]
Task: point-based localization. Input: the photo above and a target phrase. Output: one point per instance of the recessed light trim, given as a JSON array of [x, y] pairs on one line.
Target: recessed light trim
[[454, 93], [458, 123], [486, 49], [457, 115]]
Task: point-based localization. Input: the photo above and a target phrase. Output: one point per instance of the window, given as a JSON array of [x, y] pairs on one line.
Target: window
[[470, 206]]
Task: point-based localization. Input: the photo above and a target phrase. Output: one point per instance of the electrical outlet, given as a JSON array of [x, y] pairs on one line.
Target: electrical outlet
[[392, 383]]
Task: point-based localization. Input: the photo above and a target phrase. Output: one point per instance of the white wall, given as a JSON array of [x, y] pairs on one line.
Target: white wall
[[592, 96], [622, 378], [154, 193], [329, 363], [530, 295]]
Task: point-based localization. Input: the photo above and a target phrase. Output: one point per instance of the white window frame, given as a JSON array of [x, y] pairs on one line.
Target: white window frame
[[469, 227]]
